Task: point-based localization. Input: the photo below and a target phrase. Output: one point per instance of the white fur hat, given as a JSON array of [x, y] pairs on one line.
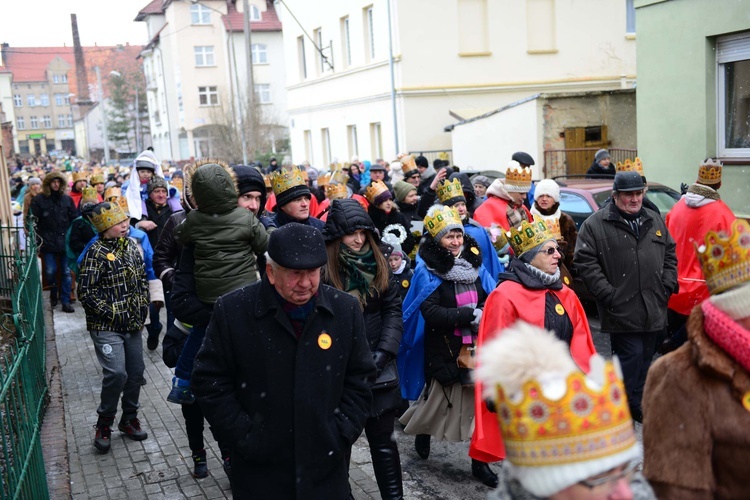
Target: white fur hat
[[548, 187]]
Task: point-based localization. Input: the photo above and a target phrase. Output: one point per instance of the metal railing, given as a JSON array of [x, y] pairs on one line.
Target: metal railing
[[443, 154], [578, 160], [23, 386]]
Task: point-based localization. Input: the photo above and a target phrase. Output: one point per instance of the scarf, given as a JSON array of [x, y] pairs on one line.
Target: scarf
[[359, 271], [297, 314], [516, 215], [461, 272], [729, 335], [632, 220], [546, 278], [401, 267], [464, 277], [698, 195], [552, 213]]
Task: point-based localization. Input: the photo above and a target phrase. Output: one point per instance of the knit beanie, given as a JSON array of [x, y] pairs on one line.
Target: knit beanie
[[34, 180], [382, 197], [735, 303], [246, 181], [421, 161], [155, 183], [402, 190], [548, 187], [482, 180], [601, 154]]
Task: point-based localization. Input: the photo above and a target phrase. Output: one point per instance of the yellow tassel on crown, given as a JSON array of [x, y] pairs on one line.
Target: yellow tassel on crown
[[103, 218], [709, 172], [527, 236], [284, 180], [448, 190], [630, 166], [374, 190], [585, 424], [440, 219], [725, 259]]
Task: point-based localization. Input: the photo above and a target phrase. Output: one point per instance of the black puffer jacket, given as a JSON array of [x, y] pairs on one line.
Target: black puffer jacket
[[441, 314], [54, 212], [167, 251], [344, 217]]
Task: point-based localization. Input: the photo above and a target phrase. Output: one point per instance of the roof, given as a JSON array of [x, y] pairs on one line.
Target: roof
[[154, 7], [269, 21]]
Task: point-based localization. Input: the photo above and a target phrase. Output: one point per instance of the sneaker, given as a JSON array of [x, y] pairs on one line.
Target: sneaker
[[200, 467], [67, 308], [132, 429], [227, 467], [103, 438], [181, 393]]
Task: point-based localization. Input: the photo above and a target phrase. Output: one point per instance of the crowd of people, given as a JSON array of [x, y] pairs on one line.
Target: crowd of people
[[305, 307]]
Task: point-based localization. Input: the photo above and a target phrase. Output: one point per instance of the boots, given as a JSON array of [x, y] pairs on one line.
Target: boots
[[103, 438], [181, 393], [132, 429], [200, 467], [482, 471], [422, 445], [387, 466]]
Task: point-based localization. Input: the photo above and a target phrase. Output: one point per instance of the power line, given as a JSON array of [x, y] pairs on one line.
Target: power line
[[320, 51]]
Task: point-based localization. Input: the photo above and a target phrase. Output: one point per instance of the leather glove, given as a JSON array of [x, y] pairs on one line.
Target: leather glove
[[381, 359], [477, 317], [167, 279]]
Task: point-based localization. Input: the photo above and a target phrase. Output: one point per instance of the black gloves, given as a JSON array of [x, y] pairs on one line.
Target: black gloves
[[381, 359]]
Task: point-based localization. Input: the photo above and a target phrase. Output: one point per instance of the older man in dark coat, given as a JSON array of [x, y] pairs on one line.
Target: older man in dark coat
[[284, 374]]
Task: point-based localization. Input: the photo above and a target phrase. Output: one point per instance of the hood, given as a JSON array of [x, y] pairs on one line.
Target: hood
[[48, 180], [345, 217], [214, 187]]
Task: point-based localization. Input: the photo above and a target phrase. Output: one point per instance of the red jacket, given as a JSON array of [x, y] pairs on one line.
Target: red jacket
[[495, 210], [688, 227], [510, 302]]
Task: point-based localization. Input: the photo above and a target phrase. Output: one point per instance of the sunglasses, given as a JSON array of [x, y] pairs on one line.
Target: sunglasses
[[611, 477], [551, 250]]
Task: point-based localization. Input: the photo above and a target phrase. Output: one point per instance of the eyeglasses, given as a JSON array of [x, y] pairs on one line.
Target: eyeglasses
[[610, 477], [551, 250]]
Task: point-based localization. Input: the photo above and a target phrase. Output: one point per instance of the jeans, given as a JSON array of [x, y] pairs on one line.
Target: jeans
[[184, 368], [635, 352], [121, 357], [51, 261]]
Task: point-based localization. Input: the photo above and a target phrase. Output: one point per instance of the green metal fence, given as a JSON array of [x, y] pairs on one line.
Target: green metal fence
[[23, 385]]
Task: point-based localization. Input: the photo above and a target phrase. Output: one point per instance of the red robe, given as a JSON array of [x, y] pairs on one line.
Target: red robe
[[323, 206], [495, 210], [509, 302], [687, 226]]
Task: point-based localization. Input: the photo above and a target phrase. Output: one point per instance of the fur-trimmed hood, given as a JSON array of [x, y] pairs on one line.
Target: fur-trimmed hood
[[213, 185], [441, 260], [48, 180]]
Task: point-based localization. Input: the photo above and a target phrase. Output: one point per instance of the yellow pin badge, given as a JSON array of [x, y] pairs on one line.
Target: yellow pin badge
[[746, 401], [324, 341], [475, 250], [658, 233], [566, 280], [405, 283], [111, 257], [559, 309]]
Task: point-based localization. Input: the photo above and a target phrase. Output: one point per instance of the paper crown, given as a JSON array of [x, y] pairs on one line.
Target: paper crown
[[499, 237], [709, 172], [283, 179], [517, 178], [122, 201], [725, 259], [267, 181], [374, 190], [324, 180], [408, 164], [336, 191], [88, 195], [97, 179], [628, 166], [440, 219], [80, 176], [528, 236], [178, 183], [113, 192], [447, 190], [553, 226], [106, 215]]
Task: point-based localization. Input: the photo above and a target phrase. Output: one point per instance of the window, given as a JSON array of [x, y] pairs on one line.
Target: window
[[263, 93], [204, 55], [60, 120], [46, 121], [34, 122], [376, 139], [208, 96], [630, 17], [200, 14], [369, 33], [31, 100], [60, 78], [540, 27], [473, 34], [301, 58], [733, 58], [50, 144], [308, 144], [20, 123], [17, 101], [23, 147], [318, 37], [325, 139], [351, 134], [259, 52], [346, 46], [59, 99], [254, 13], [45, 99]]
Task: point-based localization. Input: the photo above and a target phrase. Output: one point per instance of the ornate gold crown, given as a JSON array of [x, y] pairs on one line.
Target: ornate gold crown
[[527, 236], [267, 181], [585, 424], [283, 179], [518, 179], [338, 175], [725, 259], [628, 166], [104, 217], [553, 226], [374, 190], [336, 191], [408, 164], [97, 179], [440, 219], [449, 189], [122, 201], [88, 195], [709, 172], [113, 192], [324, 180], [80, 176]]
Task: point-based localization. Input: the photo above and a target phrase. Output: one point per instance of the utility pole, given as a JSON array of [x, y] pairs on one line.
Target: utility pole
[[104, 114], [137, 124], [250, 81]]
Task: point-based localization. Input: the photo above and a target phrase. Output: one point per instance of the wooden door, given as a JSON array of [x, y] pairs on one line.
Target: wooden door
[[586, 139]]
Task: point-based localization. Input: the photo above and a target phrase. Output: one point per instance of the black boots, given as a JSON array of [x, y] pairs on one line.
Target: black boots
[[387, 466], [103, 438], [132, 429], [482, 471], [422, 445], [200, 467]]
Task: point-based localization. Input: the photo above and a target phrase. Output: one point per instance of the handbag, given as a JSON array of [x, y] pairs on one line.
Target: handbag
[[466, 357], [388, 377]]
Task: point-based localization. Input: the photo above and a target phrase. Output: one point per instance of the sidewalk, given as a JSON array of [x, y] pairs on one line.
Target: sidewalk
[[157, 468]]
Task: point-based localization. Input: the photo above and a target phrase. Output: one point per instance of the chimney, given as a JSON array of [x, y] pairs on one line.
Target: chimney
[[3, 49], [82, 80]]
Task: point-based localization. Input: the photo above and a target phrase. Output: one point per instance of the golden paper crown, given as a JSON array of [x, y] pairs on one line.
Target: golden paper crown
[[374, 190], [448, 190], [89, 195], [267, 181], [324, 180], [553, 226], [177, 183], [80, 176], [441, 218], [336, 191], [518, 179], [284, 180], [339, 176], [709, 172], [122, 201], [113, 192], [498, 236], [528, 236], [103, 217], [628, 166], [725, 259], [585, 424], [408, 164], [97, 179]]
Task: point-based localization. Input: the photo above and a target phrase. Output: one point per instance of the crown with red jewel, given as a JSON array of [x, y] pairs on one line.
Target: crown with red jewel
[[709, 172], [517, 178], [725, 258]]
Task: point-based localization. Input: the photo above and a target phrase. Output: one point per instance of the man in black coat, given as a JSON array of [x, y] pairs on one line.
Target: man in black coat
[[54, 212], [284, 374]]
